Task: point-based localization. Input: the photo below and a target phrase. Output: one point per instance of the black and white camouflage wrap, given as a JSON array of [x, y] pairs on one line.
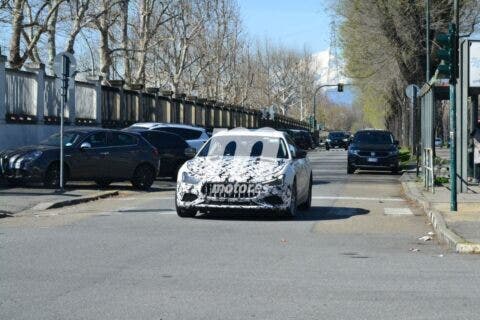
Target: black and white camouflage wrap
[[260, 161], [232, 170]]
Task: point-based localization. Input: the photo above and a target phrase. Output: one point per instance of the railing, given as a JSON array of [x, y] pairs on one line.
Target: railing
[[32, 97], [428, 169]]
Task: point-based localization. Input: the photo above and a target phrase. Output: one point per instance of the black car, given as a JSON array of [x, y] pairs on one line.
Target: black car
[[95, 154], [302, 138], [373, 149], [337, 139], [173, 150]]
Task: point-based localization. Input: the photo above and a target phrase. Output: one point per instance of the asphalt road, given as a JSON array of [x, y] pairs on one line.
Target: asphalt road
[[354, 255]]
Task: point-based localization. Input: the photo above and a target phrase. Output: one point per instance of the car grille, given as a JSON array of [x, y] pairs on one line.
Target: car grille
[[3, 164], [230, 190], [375, 153]]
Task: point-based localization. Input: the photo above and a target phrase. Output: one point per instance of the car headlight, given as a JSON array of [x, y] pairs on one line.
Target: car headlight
[[393, 153], [187, 178], [345, 140], [328, 140], [278, 181], [34, 155], [354, 151]]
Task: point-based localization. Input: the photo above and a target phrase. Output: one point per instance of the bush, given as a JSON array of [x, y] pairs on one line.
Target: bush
[[404, 154], [441, 180]]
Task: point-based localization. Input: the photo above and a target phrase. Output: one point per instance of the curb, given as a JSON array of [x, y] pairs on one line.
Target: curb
[[448, 236], [63, 203]]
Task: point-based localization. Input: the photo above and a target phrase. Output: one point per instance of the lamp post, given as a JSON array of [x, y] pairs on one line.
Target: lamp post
[[340, 89]]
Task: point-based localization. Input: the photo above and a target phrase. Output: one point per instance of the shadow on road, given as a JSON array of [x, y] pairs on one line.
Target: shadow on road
[[313, 214], [320, 182]]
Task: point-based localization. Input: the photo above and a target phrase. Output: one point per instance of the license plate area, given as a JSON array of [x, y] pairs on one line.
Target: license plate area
[[372, 159]]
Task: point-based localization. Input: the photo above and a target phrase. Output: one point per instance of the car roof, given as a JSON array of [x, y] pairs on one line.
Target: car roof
[[262, 132], [90, 129], [152, 125], [373, 130]]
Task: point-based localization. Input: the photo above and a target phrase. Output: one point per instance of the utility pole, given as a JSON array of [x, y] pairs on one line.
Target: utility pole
[[427, 33]]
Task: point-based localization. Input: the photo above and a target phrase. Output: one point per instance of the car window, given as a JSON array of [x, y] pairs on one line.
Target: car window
[[164, 140], [97, 140], [244, 146], [370, 137], [187, 134], [122, 139]]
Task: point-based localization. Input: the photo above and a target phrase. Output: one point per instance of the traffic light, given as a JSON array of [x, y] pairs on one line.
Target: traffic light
[[448, 53], [340, 87]]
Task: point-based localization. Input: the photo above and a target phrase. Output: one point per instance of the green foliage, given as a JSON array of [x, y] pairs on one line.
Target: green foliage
[[441, 181], [404, 155]]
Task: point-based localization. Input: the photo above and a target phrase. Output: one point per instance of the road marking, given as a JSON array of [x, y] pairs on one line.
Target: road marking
[[398, 211], [358, 198]]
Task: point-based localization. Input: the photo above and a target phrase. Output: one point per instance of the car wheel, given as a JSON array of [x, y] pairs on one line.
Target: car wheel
[[291, 211], [52, 176], [143, 177], [175, 173], [308, 203], [184, 212], [327, 148], [350, 169], [103, 183], [395, 170]]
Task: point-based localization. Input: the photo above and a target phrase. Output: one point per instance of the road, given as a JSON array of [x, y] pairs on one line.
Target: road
[[354, 255]]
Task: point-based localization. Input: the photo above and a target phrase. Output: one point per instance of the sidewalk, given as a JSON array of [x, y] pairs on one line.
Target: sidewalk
[[461, 229]]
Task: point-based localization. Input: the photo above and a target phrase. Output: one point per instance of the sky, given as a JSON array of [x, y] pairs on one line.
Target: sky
[[294, 24]]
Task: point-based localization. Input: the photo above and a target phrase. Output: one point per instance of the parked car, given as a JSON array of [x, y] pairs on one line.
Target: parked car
[[95, 154], [438, 142], [172, 150], [373, 149], [194, 136], [337, 139], [243, 169], [301, 138]]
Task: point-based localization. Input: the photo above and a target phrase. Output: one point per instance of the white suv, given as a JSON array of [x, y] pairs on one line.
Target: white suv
[[248, 170], [194, 136]]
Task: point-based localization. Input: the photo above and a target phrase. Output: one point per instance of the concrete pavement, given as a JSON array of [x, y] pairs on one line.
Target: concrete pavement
[[354, 255]]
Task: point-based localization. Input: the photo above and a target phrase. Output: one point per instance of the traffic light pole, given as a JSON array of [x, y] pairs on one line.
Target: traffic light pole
[[453, 109], [315, 101]]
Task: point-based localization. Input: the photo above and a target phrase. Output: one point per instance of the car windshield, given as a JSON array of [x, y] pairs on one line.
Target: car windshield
[[244, 146], [69, 139], [337, 135], [373, 138]]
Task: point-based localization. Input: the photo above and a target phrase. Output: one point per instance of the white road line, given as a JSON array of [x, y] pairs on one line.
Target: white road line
[[398, 211], [358, 198]]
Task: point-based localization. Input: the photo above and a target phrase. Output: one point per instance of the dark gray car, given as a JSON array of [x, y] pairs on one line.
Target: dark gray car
[[95, 154]]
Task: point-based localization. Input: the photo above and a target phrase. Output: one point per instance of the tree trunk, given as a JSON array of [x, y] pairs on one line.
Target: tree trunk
[[17, 21]]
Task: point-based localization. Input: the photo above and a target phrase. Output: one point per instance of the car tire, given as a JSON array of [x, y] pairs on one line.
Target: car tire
[[184, 212], [51, 179], [308, 203], [395, 170], [291, 211], [350, 169], [143, 177], [103, 183]]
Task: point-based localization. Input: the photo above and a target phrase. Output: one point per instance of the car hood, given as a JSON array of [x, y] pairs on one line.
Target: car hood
[[235, 169], [26, 149]]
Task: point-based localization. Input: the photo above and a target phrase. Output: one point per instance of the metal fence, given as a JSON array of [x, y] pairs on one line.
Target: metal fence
[[32, 97]]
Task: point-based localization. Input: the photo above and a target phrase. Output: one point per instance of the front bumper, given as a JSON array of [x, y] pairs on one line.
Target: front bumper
[[385, 163], [273, 198], [26, 172]]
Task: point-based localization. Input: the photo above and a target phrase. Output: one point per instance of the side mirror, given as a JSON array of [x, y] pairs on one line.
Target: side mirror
[[396, 142], [85, 145], [301, 154], [190, 152]]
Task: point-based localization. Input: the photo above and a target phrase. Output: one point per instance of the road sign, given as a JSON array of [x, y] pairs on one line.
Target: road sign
[[65, 69]]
